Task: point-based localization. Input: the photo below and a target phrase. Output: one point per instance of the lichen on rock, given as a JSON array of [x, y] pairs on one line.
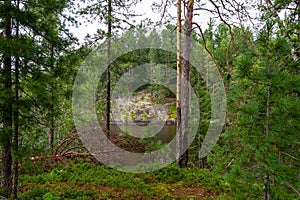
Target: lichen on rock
[[140, 108]]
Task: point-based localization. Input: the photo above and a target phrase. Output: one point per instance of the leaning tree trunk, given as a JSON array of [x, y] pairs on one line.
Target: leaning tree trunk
[[185, 98], [6, 138]]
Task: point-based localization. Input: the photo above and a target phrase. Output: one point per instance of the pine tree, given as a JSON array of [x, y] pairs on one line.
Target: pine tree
[[114, 15], [260, 156], [7, 98], [26, 99]]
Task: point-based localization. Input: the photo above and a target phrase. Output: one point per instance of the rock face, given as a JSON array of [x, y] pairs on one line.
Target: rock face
[[141, 108]]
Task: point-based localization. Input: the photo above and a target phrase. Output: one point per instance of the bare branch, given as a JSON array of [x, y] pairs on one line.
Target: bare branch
[[228, 68], [206, 9], [164, 11], [207, 49], [65, 143]]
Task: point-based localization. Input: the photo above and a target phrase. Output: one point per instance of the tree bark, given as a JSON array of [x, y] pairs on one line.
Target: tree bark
[[108, 94], [179, 77], [6, 182], [51, 125], [185, 108], [16, 119]]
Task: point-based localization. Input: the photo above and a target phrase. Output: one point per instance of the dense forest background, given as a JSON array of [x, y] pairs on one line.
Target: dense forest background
[[255, 47]]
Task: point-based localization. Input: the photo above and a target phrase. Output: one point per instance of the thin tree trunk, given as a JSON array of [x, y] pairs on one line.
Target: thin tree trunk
[[51, 125], [6, 182], [185, 108], [267, 176], [298, 37], [16, 120], [108, 95], [179, 76]]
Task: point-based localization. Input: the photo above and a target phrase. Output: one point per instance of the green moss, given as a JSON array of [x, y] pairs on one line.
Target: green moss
[[86, 181], [173, 110]]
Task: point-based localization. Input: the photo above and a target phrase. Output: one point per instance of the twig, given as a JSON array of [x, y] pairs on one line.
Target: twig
[[230, 163], [294, 189], [72, 148], [206, 9], [286, 154]]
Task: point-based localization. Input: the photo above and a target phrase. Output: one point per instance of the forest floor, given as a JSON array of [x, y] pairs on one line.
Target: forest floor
[[90, 181], [47, 179]]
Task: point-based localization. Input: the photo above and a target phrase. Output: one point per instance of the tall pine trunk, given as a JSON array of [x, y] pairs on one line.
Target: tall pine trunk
[[185, 98], [108, 94], [267, 126], [16, 119], [51, 123], [179, 77], [6, 138]]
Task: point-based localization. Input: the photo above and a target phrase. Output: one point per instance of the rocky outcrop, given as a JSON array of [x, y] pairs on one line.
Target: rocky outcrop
[[141, 108]]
